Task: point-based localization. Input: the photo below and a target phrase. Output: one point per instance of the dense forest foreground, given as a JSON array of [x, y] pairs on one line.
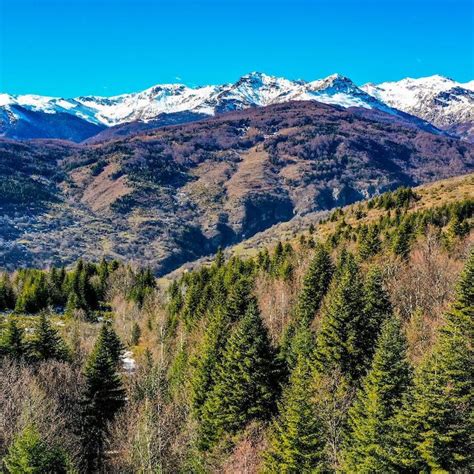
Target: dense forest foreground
[[345, 347]]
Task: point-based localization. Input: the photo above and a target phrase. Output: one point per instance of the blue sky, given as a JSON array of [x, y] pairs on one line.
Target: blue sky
[[104, 47]]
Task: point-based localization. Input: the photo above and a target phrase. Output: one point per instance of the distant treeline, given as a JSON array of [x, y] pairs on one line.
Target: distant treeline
[[82, 288]]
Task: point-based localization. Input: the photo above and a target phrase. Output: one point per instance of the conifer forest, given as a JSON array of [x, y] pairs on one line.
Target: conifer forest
[[346, 346]]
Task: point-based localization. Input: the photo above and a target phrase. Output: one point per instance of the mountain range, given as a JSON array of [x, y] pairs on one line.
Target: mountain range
[[170, 195], [435, 103]]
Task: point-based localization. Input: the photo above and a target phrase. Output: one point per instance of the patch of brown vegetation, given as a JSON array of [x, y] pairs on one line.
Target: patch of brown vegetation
[[80, 175], [104, 190], [252, 174]]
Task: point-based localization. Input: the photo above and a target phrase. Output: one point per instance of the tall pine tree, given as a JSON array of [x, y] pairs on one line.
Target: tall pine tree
[[338, 343], [377, 309], [102, 398], [205, 362], [245, 384], [109, 339], [370, 418], [296, 441], [315, 285]]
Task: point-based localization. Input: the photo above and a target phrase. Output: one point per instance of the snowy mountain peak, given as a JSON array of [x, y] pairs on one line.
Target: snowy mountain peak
[[437, 99]]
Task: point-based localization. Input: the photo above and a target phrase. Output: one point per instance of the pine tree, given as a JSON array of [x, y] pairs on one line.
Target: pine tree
[[47, 343], [263, 260], [338, 343], [220, 259], [239, 299], [315, 285], [7, 295], [55, 287], [109, 339], [12, 340], [206, 360], [29, 454], [377, 308], [136, 334], [296, 441], [371, 416], [245, 383], [34, 294], [402, 239], [434, 430], [104, 273], [457, 228], [143, 286], [102, 398], [369, 242], [72, 303]]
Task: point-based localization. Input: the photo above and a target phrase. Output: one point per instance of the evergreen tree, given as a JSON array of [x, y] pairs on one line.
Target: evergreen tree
[[368, 442], [102, 398], [263, 260], [245, 384], [29, 454], [239, 299], [87, 289], [338, 343], [7, 295], [12, 340], [377, 308], [110, 341], [402, 239], [206, 360], [296, 438], [136, 334], [34, 294], [315, 285], [457, 228], [143, 286], [55, 287], [434, 430], [72, 303], [220, 259], [103, 273], [369, 244], [47, 343]]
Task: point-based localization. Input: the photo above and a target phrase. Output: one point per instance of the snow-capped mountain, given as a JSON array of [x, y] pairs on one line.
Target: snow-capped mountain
[[184, 103], [439, 100]]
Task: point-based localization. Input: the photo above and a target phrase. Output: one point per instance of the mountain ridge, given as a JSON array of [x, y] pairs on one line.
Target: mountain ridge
[[251, 90]]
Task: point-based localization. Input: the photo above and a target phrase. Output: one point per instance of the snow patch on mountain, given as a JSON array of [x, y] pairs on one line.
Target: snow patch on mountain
[[252, 90], [437, 99]]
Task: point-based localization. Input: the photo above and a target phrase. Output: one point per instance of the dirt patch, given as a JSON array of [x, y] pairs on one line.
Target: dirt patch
[[104, 190], [252, 174]]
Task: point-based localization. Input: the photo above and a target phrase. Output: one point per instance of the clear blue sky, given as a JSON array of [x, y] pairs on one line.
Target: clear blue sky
[[105, 47]]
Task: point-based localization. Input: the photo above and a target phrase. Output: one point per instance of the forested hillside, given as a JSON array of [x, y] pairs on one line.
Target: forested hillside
[[345, 347]]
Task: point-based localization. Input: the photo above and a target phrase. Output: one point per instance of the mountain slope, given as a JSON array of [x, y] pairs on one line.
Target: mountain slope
[[18, 122], [441, 101], [173, 194], [180, 103]]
